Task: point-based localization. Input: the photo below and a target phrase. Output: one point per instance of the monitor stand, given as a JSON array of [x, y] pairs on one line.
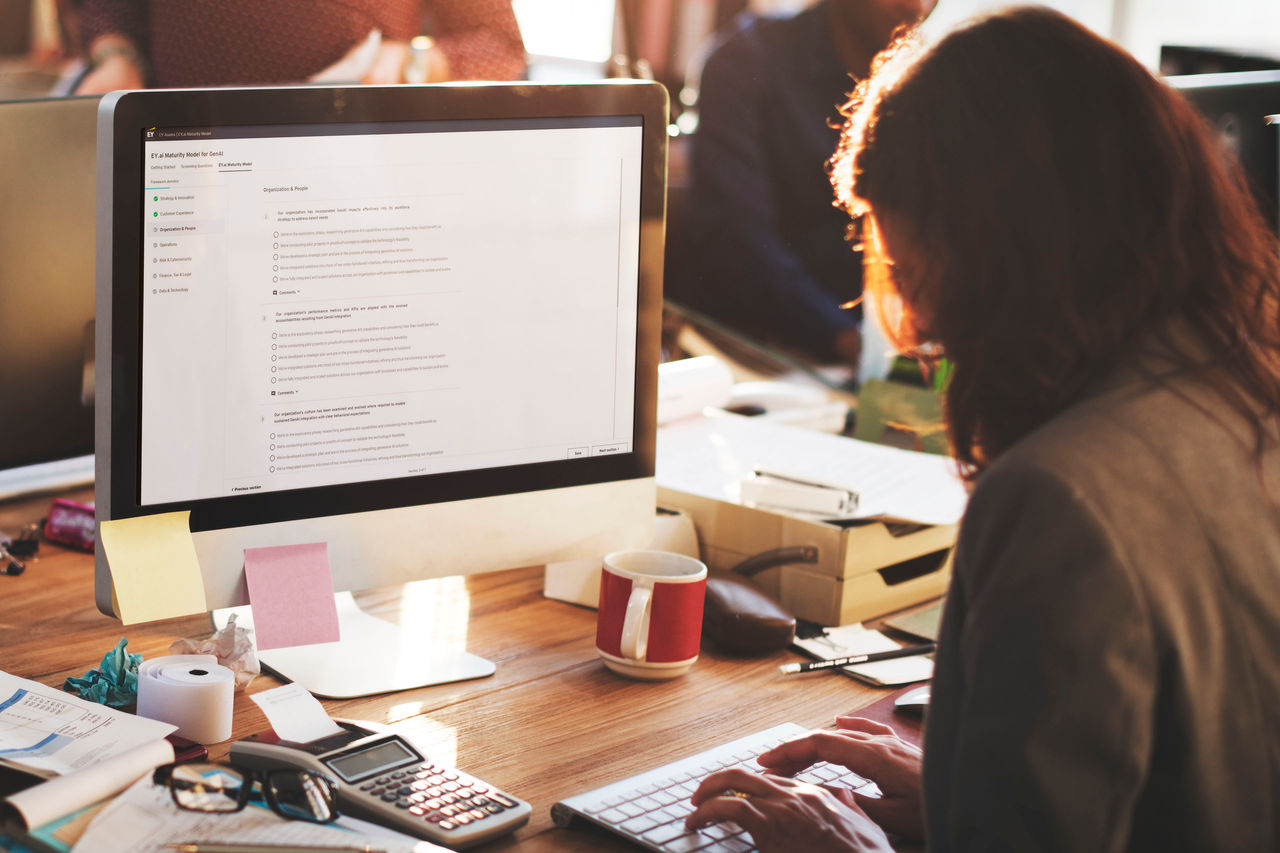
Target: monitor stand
[[370, 658]]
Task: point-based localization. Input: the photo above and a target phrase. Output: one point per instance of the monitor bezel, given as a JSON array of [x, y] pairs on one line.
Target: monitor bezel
[[1253, 95], [123, 117]]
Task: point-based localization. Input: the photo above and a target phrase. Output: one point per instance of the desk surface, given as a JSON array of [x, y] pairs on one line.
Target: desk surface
[[551, 723]]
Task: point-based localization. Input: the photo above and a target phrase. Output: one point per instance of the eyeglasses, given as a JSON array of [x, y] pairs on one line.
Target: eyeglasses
[[208, 787]]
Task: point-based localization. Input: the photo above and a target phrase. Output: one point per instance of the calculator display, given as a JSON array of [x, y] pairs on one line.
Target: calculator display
[[370, 760]]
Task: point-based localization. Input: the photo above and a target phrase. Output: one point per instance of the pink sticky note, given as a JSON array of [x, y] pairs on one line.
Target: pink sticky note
[[291, 592]]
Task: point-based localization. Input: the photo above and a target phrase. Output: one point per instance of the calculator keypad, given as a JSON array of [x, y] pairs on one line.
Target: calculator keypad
[[439, 795]]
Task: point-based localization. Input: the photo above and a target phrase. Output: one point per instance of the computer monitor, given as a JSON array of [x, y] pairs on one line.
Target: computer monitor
[[420, 324], [1237, 105], [46, 293]]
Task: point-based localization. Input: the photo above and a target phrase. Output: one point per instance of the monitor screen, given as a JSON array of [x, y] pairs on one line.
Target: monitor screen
[[335, 304], [343, 314], [1237, 105], [46, 292]]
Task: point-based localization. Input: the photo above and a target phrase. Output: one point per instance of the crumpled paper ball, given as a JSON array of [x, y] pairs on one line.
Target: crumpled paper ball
[[114, 683], [232, 645]]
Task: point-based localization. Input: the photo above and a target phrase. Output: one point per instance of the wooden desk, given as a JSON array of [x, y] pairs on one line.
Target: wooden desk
[[551, 723]]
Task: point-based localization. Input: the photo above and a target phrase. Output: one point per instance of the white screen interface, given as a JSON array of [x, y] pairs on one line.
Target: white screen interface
[[323, 308]]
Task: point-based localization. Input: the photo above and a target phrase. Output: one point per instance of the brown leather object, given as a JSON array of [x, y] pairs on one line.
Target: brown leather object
[[741, 619]]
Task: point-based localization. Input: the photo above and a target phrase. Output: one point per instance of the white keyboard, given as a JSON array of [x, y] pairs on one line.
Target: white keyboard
[[649, 809]]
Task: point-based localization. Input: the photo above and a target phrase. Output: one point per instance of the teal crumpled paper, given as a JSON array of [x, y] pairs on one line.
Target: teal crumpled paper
[[114, 684]]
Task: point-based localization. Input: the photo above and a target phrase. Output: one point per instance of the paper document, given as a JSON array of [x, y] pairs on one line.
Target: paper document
[[295, 714], [711, 457], [48, 732], [689, 385], [144, 819], [855, 639], [70, 792]]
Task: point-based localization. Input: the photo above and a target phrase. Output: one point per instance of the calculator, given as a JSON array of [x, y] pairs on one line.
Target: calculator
[[384, 779]]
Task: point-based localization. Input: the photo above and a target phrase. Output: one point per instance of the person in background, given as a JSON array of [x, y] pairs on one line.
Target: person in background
[[768, 252], [132, 44], [1056, 222]]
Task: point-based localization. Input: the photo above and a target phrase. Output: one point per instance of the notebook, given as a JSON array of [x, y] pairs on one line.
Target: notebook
[[845, 640]]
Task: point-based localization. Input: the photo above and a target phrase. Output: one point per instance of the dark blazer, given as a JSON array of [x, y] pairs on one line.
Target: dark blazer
[[766, 251], [1108, 676]]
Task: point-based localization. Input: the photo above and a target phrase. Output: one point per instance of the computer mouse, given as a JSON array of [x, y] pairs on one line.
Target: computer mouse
[[914, 701]]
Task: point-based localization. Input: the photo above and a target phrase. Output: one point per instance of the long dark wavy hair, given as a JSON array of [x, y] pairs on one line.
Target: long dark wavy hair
[[1062, 205]]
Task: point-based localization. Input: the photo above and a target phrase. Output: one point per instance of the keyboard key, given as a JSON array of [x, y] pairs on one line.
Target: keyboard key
[[677, 811], [639, 825], [688, 843], [664, 833], [630, 809], [613, 816], [680, 809], [721, 831]]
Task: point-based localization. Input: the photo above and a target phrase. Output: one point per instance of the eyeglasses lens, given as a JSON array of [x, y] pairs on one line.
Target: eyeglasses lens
[[302, 795], [207, 787]]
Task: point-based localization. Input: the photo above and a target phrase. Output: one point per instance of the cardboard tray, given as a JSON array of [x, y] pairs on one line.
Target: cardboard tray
[[864, 568]]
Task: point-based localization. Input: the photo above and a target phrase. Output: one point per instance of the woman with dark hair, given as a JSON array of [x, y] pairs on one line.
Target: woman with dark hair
[[1056, 223]]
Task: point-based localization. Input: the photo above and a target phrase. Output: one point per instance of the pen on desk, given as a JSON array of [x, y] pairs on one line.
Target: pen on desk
[[249, 847], [869, 657]]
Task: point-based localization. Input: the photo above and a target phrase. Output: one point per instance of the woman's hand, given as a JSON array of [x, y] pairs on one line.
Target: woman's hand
[[784, 815], [873, 751]]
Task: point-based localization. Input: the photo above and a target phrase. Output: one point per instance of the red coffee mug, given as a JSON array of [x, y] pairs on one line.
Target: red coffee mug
[[649, 623]]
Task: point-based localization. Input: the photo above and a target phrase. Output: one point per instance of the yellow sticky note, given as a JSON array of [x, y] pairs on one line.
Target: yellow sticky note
[[153, 566]]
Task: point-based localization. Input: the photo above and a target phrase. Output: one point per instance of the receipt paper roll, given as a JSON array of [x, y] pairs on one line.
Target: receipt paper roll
[[193, 692]]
